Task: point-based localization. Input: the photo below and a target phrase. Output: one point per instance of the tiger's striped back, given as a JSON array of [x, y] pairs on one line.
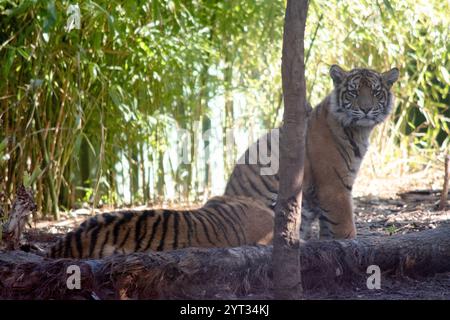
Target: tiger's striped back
[[247, 179], [221, 222]]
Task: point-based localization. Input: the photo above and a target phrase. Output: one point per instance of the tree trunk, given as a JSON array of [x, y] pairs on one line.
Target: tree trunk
[[286, 256], [220, 273]]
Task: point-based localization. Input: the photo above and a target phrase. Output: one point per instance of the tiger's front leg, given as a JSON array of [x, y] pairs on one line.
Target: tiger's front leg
[[336, 219], [308, 217]]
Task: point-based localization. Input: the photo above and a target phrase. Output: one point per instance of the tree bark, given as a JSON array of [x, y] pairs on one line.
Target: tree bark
[[223, 273], [286, 256]]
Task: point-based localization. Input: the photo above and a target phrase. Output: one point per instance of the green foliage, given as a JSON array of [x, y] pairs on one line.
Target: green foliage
[[106, 96], [29, 180], [392, 229]]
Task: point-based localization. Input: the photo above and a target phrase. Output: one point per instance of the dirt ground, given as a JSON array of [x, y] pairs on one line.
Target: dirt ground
[[403, 213], [382, 207], [390, 206]]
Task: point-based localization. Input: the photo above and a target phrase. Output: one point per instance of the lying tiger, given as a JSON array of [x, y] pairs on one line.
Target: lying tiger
[[337, 139], [221, 222]]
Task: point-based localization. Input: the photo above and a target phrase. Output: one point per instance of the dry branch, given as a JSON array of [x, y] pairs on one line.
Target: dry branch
[[22, 207], [222, 273]]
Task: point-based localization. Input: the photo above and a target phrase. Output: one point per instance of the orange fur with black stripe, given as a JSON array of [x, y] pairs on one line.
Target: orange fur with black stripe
[[222, 222], [337, 139]]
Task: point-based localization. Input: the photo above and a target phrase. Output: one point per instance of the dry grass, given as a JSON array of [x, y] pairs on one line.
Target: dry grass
[[387, 179]]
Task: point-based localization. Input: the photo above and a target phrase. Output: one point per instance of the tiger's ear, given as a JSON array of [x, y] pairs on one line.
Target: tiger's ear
[[389, 77], [337, 74]]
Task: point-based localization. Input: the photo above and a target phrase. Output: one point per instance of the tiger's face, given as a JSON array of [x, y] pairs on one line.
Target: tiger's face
[[362, 97]]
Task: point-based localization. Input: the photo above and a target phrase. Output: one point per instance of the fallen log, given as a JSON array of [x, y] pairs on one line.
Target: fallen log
[[222, 273]]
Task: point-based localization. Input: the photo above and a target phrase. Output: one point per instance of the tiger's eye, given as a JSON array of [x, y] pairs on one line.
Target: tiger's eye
[[353, 93]]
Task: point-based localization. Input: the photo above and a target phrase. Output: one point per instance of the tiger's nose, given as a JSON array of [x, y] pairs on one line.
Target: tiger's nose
[[366, 109], [365, 105]]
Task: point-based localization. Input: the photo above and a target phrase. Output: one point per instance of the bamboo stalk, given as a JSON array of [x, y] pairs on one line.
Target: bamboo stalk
[[142, 169], [46, 160], [444, 193], [101, 158]]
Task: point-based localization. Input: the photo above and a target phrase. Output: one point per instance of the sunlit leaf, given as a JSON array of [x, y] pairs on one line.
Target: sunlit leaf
[[445, 74]]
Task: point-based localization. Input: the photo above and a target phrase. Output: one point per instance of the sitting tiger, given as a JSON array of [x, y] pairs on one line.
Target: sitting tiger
[[222, 222], [336, 141]]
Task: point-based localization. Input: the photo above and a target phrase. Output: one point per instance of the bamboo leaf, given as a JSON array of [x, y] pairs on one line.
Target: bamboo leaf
[[29, 180], [3, 146], [388, 5], [445, 74]]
